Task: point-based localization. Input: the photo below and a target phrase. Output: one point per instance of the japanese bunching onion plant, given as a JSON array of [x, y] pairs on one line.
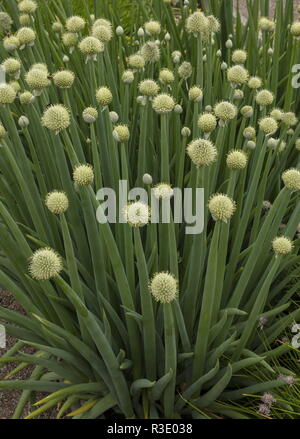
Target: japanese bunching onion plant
[[140, 319]]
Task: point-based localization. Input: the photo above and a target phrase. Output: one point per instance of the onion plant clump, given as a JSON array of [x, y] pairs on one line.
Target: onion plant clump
[[139, 319]]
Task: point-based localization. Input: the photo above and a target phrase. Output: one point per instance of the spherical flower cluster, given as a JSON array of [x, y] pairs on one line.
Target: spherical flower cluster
[[185, 70], [102, 22], [75, 24], [57, 202], [236, 159], [40, 66], [102, 33], [83, 175], [249, 133], [185, 132], [268, 125], [289, 119], [297, 144], [121, 133], [137, 214], [295, 29], [26, 98], [265, 24], [207, 122], [104, 96], [164, 287], [221, 207], [214, 24], [11, 66], [195, 94], [254, 82], [225, 111], [128, 77], [136, 62], [163, 103], [70, 39], [56, 118], [276, 113], [26, 36], [176, 56], [166, 76], [57, 27], [150, 51], [163, 191], [5, 21], [237, 75], [45, 264], [37, 78], [264, 98], [90, 114], [2, 131], [247, 111], [202, 152], [91, 46], [148, 87], [238, 94], [64, 79], [7, 94], [11, 43], [291, 179], [27, 6], [24, 19], [152, 28], [197, 23], [282, 245], [239, 56]]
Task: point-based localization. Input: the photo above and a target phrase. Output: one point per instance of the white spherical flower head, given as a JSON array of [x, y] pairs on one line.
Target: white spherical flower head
[[249, 133], [185, 132], [114, 117], [128, 77], [136, 62], [163, 103], [225, 111], [185, 70], [264, 98], [282, 246], [247, 111], [37, 79], [137, 214], [75, 24], [26, 98], [2, 131], [163, 191], [239, 56], [221, 207], [164, 287], [277, 114], [27, 6], [202, 152], [291, 179], [70, 39], [195, 94], [148, 87], [237, 74], [5, 22], [197, 23], [103, 33], [297, 144], [289, 119], [7, 94], [91, 46], [23, 122], [268, 125], [254, 82], [104, 96], [56, 118], [265, 24], [90, 114], [57, 202], [11, 43], [102, 22], [207, 122], [166, 76], [295, 29], [26, 36], [83, 175], [64, 78], [150, 52], [152, 28], [11, 66], [121, 133], [45, 264], [236, 159]]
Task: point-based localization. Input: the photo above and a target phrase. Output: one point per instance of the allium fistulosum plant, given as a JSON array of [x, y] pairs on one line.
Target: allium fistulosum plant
[[137, 318]]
